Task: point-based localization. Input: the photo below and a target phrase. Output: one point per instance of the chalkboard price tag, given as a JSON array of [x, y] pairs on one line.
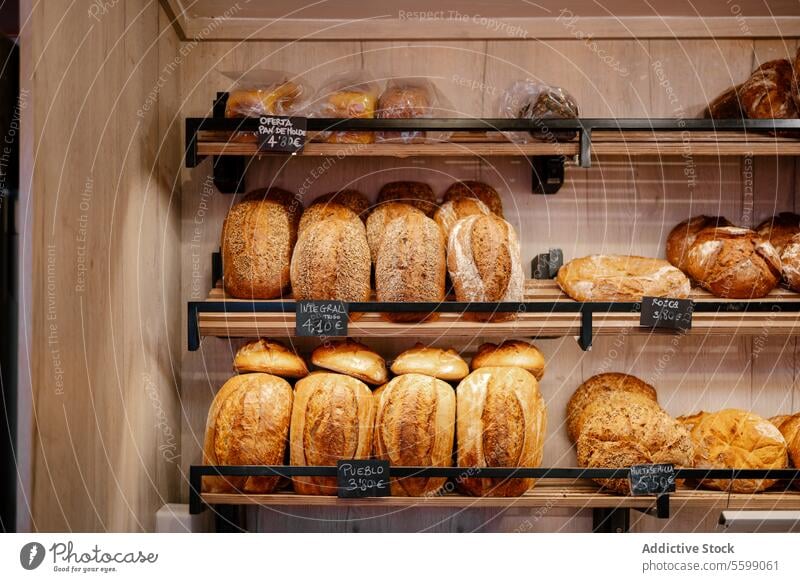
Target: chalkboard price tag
[[667, 313], [281, 134], [652, 479], [321, 319], [367, 478]]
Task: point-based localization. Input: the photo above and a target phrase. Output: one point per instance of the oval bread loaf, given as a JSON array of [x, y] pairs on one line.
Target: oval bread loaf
[[517, 353], [352, 358], [454, 210], [417, 194], [349, 198], [269, 357], [477, 190], [435, 362], [682, 237], [379, 220]]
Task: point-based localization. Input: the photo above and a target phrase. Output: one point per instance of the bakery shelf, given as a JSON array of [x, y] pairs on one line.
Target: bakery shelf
[[545, 312]]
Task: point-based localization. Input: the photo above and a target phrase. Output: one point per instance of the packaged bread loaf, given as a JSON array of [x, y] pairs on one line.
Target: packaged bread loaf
[[682, 237], [527, 99], [350, 198], [435, 362], [417, 194], [379, 220], [258, 236], [477, 191], [500, 422], [332, 420], [405, 99], [348, 96], [767, 94], [483, 258], [414, 427], [352, 358], [779, 229], [258, 93], [270, 357], [248, 424], [452, 211], [410, 266], [516, 353]]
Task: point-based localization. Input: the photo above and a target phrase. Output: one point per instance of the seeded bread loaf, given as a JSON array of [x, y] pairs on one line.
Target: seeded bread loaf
[[417, 194], [352, 199], [478, 190], [379, 220], [454, 210]]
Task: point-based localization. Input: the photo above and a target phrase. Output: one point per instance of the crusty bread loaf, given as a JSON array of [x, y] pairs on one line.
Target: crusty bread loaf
[[332, 420], [417, 194], [767, 94], [248, 424], [414, 427], [270, 357], [734, 262], [317, 213], [435, 362], [479, 190], [258, 236], [621, 278], [452, 211], [682, 237], [736, 439], [331, 261], [411, 266], [483, 258], [352, 358], [789, 425], [779, 229], [379, 220], [349, 198], [726, 106], [779, 420], [796, 79], [500, 422], [790, 263], [517, 353]]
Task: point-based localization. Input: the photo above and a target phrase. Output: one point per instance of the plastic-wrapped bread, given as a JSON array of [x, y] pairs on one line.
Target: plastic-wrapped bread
[[483, 258]]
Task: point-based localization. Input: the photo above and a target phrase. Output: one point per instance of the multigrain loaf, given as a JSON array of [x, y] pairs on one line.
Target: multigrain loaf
[[352, 358], [317, 213], [247, 424], [332, 420], [417, 194], [500, 422], [517, 353], [452, 211], [270, 357], [478, 190], [411, 266], [779, 229], [352, 199], [258, 236], [435, 362], [682, 237], [379, 219], [767, 94], [414, 427]]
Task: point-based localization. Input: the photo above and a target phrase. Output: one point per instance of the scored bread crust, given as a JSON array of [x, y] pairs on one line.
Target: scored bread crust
[[779, 229], [790, 263], [349, 198], [415, 427], [479, 190], [789, 425], [682, 237], [332, 419], [517, 353], [352, 358], [435, 362], [501, 421], [452, 211], [247, 424], [767, 94], [725, 106], [270, 357], [417, 194]]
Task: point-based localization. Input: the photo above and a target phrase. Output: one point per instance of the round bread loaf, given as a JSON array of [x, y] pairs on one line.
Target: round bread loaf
[[248, 424], [483, 258], [735, 439], [734, 262], [501, 421], [379, 220], [516, 353], [790, 263], [435, 362], [621, 278], [454, 210], [404, 101], [317, 213], [725, 106], [269, 357], [779, 420], [479, 190], [790, 429], [632, 433], [414, 427], [332, 420], [600, 387], [411, 266], [258, 236], [331, 261], [349, 198], [352, 358], [682, 237], [796, 79], [767, 94], [779, 229], [418, 194]]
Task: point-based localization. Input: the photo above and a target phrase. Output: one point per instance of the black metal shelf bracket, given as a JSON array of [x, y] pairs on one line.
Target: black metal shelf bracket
[[585, 155], [585, 339], [193, 335], [547, 174]]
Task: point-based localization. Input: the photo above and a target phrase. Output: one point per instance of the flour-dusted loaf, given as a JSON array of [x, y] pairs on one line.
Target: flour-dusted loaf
[[500, 422], [417, 194], [332, 420], [350, 198], [478, 190], [621, 278], [411, 266], [483, 258], [682, 237], [790, 263], [379, 219], [414, 427], [317, 213], [435, 362], [352, 358], [452, 211], [767, 94], [779, 229], [248, 424], [516, 353], [258, 236], [331, 261], [270, 357], [734, 262], [737, 439]]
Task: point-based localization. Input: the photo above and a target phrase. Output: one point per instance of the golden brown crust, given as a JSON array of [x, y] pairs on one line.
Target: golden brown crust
[[681, 238], [734, 262], [352, 358], [796, 80], [349, 198], [790, 263], [317, 213], [404, 102], [270, 357], [410, 266], [332, 420], [379, 220], [414, 427], [500, 422], [247, 424], [767, 94], [516, 353], [479, 190], [452, 211], [258, 236], [779, 420], [278, 99], [779, 229], [435, 362], [621, 278], [726, 106], [417, 194], [789, 425], [351, 104]]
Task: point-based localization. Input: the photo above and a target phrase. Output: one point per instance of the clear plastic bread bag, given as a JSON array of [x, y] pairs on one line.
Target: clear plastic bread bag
[[527, 99], [412, 98], [347, 96], [264, 92]]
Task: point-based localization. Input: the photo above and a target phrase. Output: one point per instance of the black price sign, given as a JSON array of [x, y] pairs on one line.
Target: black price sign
[[363, 478], [666, 312], [652, 479], [321, 319], [281, 134]]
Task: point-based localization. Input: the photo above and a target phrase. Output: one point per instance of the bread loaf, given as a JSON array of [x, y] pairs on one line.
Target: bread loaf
[[417, 194], [789, 425], [349, 198], [779, 229], [351, 358], [332, 420], [248, 424], [317, 213], [404, 101], [269, 357], [500, 422], [621, 278], [435, 362], [410, 266], [379, 220], [352, 102], [520, 354], [276, 99], [454, 210], [790, 263], [796, 79], [478, 190], [734, 262], [483, 258], [682, 237], [725, 106], [414, 427], [767, 94], [258, 236]]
